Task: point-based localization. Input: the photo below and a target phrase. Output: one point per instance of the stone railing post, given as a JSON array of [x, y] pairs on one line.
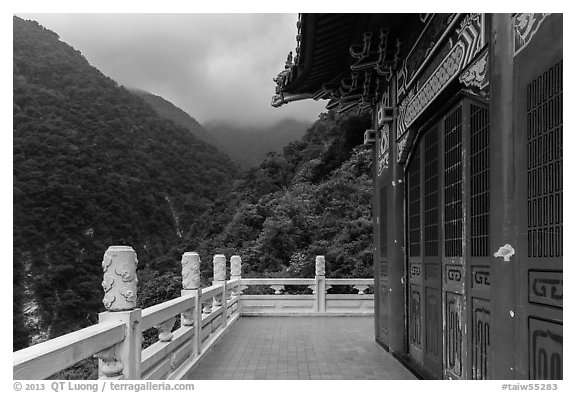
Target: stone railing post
[[191, 286], [320, 280], [219, 262], [121, 361], [236, 274]]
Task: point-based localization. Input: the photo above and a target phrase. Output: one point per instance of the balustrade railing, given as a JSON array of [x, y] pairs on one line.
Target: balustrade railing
[[204, 315], [318, 301]]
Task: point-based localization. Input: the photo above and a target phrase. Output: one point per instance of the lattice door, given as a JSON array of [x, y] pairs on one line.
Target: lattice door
[[448, 297], [540, 251], [538, 151]]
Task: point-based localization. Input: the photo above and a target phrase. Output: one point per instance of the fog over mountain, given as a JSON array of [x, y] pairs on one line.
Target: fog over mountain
[[248, 146], [216, 67]]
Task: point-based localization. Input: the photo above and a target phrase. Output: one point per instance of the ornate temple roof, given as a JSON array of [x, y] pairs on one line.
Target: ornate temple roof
[[344, 58]]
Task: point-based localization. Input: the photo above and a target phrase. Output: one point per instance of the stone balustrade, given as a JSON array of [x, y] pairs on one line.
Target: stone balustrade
[[205, 314]]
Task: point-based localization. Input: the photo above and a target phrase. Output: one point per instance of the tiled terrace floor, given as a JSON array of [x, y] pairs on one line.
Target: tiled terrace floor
[[300, 348]]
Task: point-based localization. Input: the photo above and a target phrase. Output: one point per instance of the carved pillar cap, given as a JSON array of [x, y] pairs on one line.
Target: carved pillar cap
[[235, 266], [120, 281], [190, 270], [320, 265], [219, 262]]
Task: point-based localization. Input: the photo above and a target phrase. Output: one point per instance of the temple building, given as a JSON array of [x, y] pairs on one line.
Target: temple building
[[467, 179]]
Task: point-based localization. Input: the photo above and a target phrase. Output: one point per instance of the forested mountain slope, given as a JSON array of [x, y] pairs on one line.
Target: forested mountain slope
[[314, 198], [168, 110], [94, 166]]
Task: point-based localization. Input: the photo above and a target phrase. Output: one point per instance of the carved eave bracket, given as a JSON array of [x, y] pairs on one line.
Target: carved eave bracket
[[477, 75], [370, 73], [378, 59], [362, 51]]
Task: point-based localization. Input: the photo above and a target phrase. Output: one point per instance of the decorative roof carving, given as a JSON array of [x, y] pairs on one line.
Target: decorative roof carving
[[477, 74], [525, 26]]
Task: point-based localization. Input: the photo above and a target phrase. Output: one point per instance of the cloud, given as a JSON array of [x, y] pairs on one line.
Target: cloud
[[216, 67]]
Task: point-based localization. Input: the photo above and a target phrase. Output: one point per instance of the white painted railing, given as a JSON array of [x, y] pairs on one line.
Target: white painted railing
[[319, 303], [205, 314]]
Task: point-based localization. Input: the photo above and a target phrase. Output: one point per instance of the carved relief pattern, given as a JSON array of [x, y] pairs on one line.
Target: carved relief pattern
[[415, 317], [477, 74], [480, 339], [235, 266], [383, 163], [320, 265], [190, 270], [432, 34], [454, 273], [445, 72], [401, 146], [546, 288], [417, 94], [480, 277], [219, 262], [546, 355], [383, 148], [525, 26], [453, 342], [119, 282]]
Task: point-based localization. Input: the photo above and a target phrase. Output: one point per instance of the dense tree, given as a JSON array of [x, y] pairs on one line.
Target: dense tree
[[94, 166], [315, 198]]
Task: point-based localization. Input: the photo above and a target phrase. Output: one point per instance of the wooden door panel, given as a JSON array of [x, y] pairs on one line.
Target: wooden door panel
[[453, 261], [478, 238], [538, 69], [415, 271]]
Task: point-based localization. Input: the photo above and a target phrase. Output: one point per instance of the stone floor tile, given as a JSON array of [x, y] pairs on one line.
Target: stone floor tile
[[300, 348]]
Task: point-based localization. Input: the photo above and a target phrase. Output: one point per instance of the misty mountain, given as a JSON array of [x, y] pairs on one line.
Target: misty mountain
[[168, 110], [250, 145], [93, 166], [247, 146]]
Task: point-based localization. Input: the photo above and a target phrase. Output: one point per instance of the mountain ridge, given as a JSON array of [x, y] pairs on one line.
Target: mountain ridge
[[93, 166]]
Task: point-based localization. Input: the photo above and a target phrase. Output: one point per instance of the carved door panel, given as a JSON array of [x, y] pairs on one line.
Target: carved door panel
[[478, 240], [415, 271], [539, 190], [424, 272], [448, 230], [453, 266], [431, 261]]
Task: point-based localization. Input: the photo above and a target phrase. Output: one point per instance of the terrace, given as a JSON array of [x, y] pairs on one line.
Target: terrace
[[301, 335]]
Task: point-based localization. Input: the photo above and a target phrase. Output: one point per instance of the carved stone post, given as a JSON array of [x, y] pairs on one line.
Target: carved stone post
[[121, 361], [191, 286], [236, 274], [236, 271], [320, 281], [219, 262]]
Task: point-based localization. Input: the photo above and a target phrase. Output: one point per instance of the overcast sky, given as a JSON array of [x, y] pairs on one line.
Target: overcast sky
[[213, 66]]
